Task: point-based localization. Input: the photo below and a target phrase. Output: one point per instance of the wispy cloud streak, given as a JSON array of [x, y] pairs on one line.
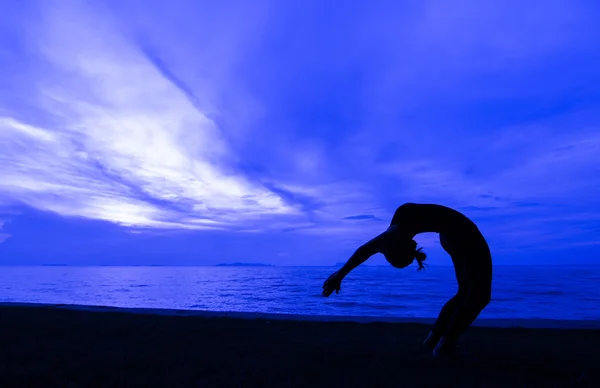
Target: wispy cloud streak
[[126, 145]]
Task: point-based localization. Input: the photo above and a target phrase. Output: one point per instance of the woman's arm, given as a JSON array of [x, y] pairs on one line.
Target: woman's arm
[[333, 283], [365, 251]]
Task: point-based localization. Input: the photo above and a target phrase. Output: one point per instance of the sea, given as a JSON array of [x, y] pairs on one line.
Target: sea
[[530, 292]]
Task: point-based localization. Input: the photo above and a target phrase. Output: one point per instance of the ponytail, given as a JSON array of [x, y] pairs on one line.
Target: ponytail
[[420, 256], [401, 254]]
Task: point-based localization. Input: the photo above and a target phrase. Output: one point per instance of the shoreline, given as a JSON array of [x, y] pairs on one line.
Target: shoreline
[[483, 322]]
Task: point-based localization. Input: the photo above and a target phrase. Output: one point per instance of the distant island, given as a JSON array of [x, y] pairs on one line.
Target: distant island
[[243, 265]]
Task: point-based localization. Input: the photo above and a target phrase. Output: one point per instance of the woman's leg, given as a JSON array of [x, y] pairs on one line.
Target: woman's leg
[[443, 320], [451, 307], [463, 317], [478, 297]]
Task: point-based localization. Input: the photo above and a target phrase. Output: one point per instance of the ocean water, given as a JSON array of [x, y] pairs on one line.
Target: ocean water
[[518, 291]]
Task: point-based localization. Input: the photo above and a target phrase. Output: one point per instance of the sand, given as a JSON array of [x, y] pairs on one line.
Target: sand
[[83, 346]]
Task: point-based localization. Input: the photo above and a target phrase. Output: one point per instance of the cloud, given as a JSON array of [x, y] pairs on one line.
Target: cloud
[[124, 139], [563, 168], [3, 236], [361, 217], [126, 144]]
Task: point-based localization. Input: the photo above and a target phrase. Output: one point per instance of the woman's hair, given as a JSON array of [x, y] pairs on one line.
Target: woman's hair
[[420, 256], [397, 255]]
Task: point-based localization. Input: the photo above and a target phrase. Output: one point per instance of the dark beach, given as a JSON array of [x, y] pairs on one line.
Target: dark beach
[[50, 347]]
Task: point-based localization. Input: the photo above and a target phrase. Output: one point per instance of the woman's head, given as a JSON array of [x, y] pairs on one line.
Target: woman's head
[[401, 253]]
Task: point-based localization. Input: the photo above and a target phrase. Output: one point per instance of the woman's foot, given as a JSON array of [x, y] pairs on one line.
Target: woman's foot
[[449, 349], [431, 341]]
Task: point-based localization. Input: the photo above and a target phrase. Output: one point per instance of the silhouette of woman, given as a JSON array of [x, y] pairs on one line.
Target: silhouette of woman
[[470, 255]]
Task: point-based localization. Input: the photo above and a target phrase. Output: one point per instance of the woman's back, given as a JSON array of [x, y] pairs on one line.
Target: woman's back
[[425, 218]]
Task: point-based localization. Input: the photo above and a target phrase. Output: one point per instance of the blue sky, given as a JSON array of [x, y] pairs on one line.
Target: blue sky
[[196, 132]]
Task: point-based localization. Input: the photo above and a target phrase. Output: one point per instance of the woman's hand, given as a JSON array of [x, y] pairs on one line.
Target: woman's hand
[[333, 283]]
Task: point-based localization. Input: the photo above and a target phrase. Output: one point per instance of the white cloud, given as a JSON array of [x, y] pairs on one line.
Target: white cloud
[[126, 144]]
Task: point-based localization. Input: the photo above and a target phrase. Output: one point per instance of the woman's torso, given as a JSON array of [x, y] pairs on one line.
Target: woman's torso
[[457, 232]]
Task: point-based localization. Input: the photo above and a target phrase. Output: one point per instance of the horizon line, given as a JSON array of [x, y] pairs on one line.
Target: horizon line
[[262, 265]]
